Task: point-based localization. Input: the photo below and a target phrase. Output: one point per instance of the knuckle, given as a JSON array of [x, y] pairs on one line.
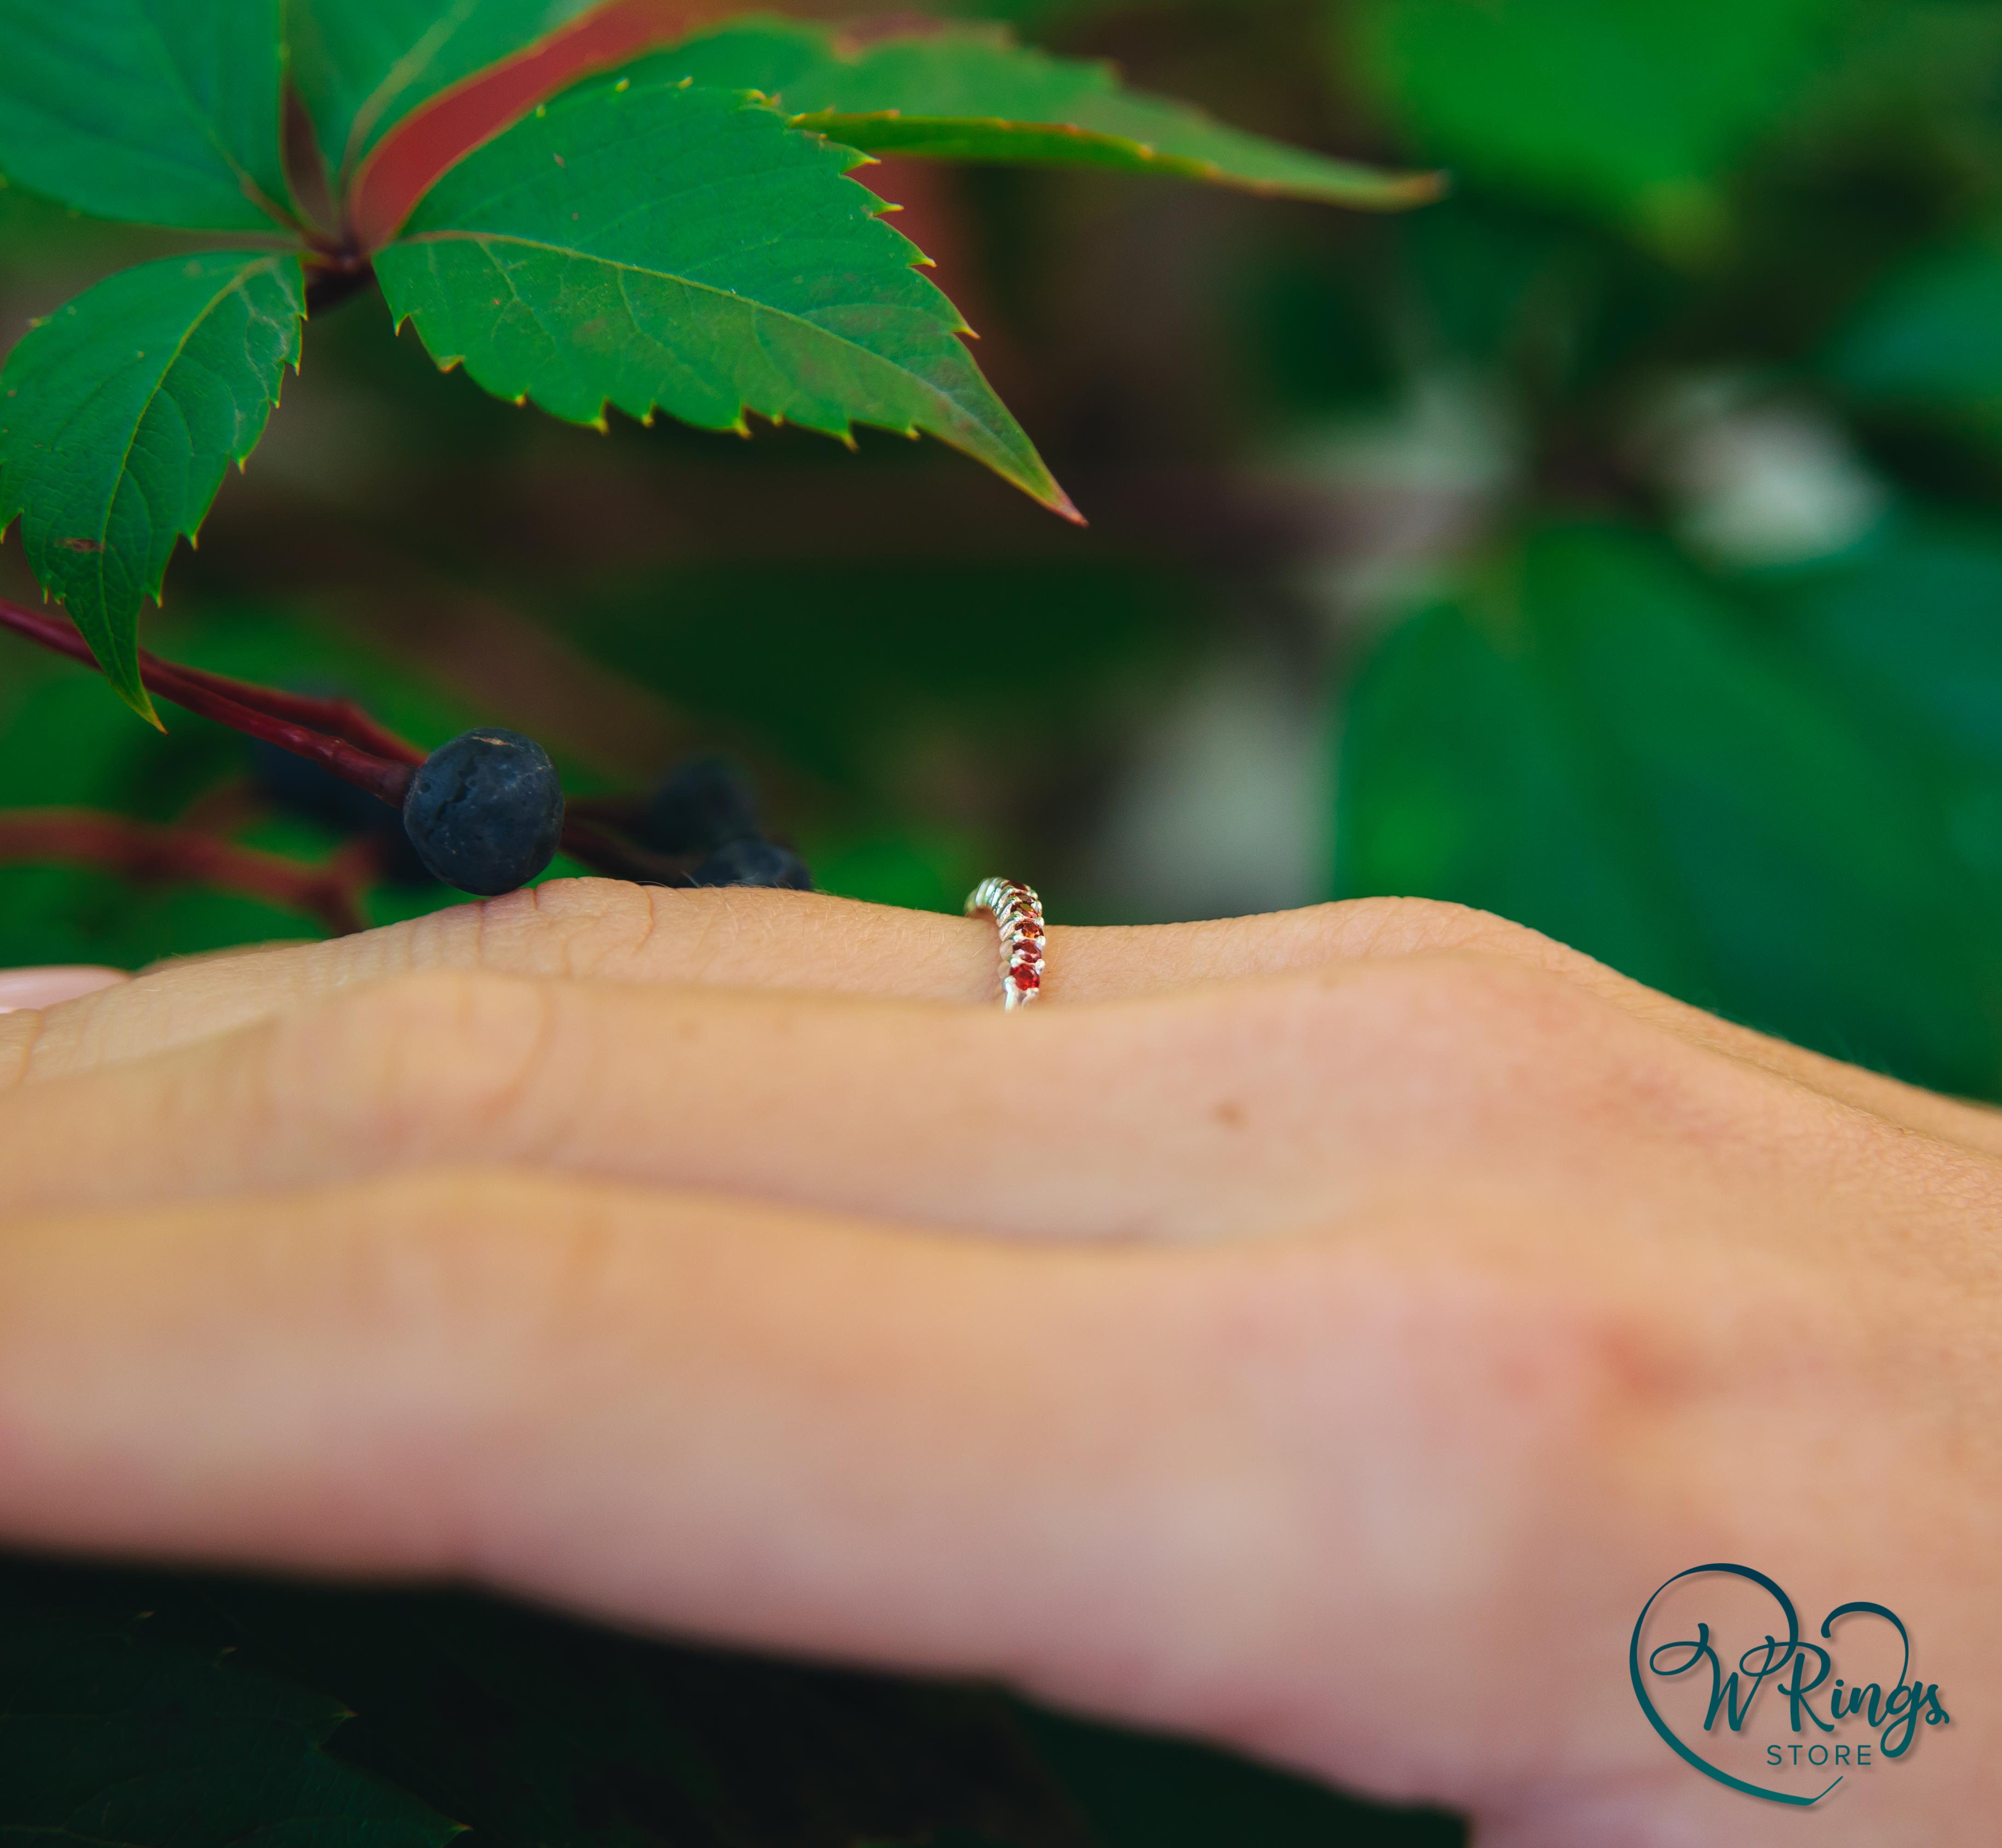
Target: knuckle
[[1467, 1017], [573, 927], [1514, 1060], [1497, 1391], [414, 1063], [1388, 1057], [1405, 926], [1492, 996], [1486, 1357], [1441, 1423]]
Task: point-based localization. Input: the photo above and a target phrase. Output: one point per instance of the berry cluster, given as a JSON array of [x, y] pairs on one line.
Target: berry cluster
[[706, 809], [485, 812]]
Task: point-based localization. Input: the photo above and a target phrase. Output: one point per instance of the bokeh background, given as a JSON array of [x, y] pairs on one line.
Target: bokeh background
[[1617, 547]]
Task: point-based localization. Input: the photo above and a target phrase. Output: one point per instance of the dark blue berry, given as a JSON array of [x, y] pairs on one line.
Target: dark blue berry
[[704, 805], [485, 812], [754, 863]]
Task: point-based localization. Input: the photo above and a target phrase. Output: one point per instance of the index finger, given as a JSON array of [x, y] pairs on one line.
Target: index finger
[[809, 943], [602, 929]]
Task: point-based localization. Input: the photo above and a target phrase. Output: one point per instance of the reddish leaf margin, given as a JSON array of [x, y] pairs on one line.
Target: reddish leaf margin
[[408, 161]]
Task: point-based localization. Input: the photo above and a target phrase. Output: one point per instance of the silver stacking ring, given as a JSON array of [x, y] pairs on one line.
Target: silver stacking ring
[[1018, 914]]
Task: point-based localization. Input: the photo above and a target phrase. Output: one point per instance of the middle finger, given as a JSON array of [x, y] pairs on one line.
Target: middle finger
[[1239, 1108]]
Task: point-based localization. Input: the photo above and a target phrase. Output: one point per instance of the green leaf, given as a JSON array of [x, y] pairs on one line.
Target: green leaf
[[118, 417], [1635, 109], [1929, 339], [1905, 630], [112, 1732], [167, 112], [536, 1732], [972, 94], [1139, 1791], [683, 249], [1600, 743], [363, 65]]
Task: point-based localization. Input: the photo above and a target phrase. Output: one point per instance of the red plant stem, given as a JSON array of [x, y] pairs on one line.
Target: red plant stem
[[213, 697], [334, 734], [340, 719], [140, 851], [591, 845]]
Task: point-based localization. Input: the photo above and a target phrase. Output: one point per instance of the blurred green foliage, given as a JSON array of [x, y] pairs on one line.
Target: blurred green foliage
[[1633, 520], [1749, 814], [527, 1730], [1711, 695], [1638, 111]]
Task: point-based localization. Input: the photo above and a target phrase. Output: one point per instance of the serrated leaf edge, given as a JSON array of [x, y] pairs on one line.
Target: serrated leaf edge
[[123, 675], [1360, 188], [1046, 492], [1051, 495]]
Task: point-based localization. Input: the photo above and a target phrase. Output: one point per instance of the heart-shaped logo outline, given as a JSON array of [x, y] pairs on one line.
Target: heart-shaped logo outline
[[1793, 1643]]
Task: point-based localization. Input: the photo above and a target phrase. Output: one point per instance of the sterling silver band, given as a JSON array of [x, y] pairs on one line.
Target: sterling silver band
[[1018, 914]]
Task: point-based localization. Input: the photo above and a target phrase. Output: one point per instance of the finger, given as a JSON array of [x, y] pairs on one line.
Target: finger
[[1227, 1109], [405, 1378], [1102, 1476], [600, 929], [1120, 959], [590, 930], [23, 990]]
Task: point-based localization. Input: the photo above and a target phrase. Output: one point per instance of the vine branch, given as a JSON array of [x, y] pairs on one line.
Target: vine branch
[[336, 734], [330, 895], [331, 282], [383, 766]]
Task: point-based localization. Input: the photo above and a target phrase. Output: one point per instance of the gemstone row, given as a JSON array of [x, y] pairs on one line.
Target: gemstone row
[[1018, 914]]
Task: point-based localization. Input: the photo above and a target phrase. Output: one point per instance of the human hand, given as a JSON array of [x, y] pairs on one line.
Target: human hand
[[1320, 1334]]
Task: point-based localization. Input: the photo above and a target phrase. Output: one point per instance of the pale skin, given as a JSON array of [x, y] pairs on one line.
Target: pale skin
[[1317, 1334]]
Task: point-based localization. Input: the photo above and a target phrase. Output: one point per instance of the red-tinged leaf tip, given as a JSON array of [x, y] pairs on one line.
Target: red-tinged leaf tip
[[1062, 506], [141, 702]]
